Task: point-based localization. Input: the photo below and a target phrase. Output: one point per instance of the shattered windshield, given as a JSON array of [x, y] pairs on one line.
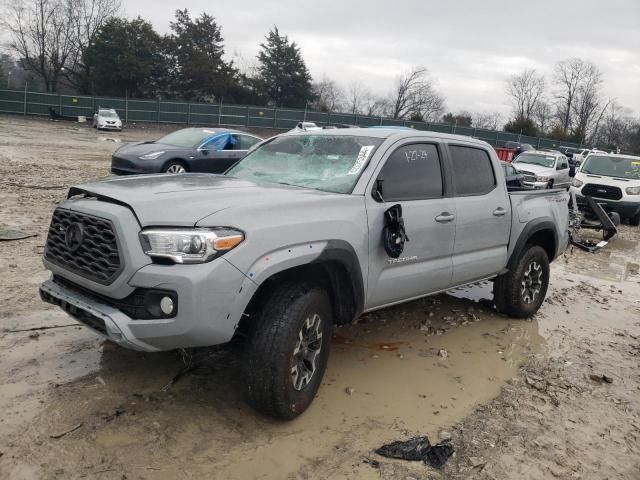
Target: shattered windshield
[[331, 163], [612, 166], [534, 159]]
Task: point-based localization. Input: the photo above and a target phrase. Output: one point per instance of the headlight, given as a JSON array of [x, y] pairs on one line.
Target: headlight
[[150, 156], [543, 179], [632, 190], [189, 245], [576, 183]]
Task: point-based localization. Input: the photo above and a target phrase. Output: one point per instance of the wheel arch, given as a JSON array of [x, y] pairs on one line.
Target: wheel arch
[[336, 269], [175, 159], [542, 232]]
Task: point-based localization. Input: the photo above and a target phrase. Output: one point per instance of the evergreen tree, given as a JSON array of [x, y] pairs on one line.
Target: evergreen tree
[[126, 58], [283, 77], [198, 71]]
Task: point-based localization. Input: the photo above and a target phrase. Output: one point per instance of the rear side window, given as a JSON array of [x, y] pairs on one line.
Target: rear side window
[[472, 170], [412, 172], [246, 142]]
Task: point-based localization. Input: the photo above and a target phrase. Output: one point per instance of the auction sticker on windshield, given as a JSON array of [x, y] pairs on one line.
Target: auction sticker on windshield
[[363, 156]]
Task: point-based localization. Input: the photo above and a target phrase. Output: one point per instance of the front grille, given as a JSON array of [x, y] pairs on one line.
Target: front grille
[[602, 191], [92, 253], [528, 176]]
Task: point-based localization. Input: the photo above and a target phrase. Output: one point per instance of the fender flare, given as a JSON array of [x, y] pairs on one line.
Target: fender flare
[[341, 252], [533, 227]]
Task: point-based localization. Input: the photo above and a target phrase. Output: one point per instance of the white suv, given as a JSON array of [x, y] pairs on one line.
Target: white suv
[[613, 181]]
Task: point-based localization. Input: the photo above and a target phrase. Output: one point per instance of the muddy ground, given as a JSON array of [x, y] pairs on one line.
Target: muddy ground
[[519, 399]]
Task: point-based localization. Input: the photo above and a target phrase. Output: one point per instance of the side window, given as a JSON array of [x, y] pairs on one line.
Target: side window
[[217, 143], [472, 170], [412, 172], [246, 142], [564, 164]]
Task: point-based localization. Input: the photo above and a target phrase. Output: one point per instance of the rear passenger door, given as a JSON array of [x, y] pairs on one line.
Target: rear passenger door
[[483, 215], [412, 175]]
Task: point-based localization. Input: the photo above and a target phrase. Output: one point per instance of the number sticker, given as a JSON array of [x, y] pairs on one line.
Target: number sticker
[[363, 156], [413, 155]]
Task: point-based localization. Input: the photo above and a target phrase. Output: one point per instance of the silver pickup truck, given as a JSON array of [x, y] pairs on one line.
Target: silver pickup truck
[[308, 231]]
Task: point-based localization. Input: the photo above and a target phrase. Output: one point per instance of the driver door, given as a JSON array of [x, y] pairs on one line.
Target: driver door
[[412, 176], [215, 155]]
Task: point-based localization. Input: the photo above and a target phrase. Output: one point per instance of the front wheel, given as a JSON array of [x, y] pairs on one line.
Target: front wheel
[[174, 167], [520, 292], [287, 350]]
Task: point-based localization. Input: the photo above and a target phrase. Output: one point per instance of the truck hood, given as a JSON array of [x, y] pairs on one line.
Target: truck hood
[[535, 169], [184, 200]]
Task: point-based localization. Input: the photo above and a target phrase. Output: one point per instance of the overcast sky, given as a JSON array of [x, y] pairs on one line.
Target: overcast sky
[[470, 47]]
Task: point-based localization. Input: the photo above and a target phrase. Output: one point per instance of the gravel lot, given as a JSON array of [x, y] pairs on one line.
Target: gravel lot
[[519, 399]]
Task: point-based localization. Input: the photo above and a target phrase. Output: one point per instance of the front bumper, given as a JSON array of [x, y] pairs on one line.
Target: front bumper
[[110, 127], [212, 298], [125, 165], [624, 208], [536, 185]]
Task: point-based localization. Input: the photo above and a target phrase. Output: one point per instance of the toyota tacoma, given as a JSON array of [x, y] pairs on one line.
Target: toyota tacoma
[[308, 231]]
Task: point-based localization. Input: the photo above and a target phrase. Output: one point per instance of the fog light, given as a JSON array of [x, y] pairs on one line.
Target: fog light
[[166, 305]]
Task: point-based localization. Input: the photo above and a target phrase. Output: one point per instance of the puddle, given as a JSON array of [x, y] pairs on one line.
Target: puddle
[[338, 339]]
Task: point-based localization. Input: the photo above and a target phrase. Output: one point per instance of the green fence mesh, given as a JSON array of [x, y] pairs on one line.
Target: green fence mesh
[[135, 110]]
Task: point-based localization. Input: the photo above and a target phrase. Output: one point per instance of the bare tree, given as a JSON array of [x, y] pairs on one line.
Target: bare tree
[[577, 84], [543, 115], [357, 95], [486, 120], [616, 127], [587, 108], [329, 96], [375, 106], [42, 36], [415, 95], [88, 16], [526, 90], [50, 36]]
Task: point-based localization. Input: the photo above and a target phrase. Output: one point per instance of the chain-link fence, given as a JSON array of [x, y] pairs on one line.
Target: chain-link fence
[[160, 111]]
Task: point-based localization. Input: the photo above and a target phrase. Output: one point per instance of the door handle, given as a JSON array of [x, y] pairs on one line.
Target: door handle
[[445, 217], [499, 212]]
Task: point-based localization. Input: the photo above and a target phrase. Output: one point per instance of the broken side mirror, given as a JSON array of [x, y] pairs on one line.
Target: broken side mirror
[[394, 235]]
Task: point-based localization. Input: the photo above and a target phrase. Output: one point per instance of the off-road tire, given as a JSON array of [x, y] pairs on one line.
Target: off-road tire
[[268, 358], [508, 288]]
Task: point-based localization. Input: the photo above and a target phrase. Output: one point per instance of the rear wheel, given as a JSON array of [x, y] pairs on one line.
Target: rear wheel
[[288, 349], [635, 221], [520, 292], [175, 167]]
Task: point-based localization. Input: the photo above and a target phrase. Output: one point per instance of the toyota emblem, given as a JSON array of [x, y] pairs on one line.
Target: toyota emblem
[[74, 236]]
